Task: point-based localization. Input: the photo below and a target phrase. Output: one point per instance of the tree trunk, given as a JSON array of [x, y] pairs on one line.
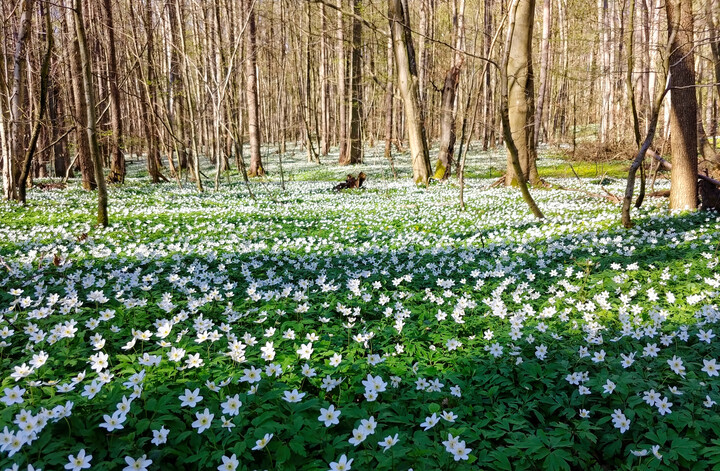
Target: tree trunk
[[150, 87], [42, 105], [11, 167], [102, 216], [683, 114], [117, 158], [81, 140], [322, 72], [353, 154], [520, 95], [389, 108], [443, 166], [514, 155], [544, 67], [408, 84], [256, 167]]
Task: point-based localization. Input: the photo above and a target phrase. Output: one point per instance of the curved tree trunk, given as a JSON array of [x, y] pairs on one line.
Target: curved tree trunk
[[521, 95], [683, 113]]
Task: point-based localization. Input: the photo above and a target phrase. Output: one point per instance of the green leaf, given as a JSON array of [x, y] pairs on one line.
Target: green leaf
[[282, 454], [557, 459]]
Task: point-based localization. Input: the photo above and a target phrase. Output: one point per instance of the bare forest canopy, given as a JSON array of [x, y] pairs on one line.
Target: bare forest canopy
[[85, 85]]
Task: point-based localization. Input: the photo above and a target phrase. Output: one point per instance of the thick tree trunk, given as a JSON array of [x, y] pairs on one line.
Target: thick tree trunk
[[520, 95], [256, 166], [514, 14], [117, 158], [683, 115], [408, 84], [102, 216]]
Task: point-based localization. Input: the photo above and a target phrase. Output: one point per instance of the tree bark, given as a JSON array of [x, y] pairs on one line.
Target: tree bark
[[87, 169], [683, 113], [256, 166], [505, 79], [102, 216], [443, 166], [408, 84], [11, 167], [42, 105], [352, 155], [520, 95], [117, 158], [544, 68]]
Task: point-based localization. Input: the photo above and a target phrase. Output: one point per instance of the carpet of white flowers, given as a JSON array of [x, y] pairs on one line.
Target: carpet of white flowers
[[374, 329]]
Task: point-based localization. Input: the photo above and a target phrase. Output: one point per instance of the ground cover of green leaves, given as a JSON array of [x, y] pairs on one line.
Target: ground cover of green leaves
[[447, 339]]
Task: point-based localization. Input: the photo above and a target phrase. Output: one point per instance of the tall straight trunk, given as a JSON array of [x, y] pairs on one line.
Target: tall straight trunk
[[521, 94], [544, 68], [149, 87], [407, 78], [256, 167], [354, 149], [515, 13], [42, 106], [117, 158], [102, 216], [341, 81], [11, 166], [389, 101], [708, 148], [322, 72], [59, 149], [426, 13], [176, 108], [82, 144], [443, 166], [683, 114], [488, 120], [562, 105]]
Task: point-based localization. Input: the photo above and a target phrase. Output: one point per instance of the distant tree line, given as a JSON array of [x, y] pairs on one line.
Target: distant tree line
[[86, 85]]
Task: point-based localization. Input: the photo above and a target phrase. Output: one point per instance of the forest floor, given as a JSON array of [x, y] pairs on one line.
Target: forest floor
[[381, 328]]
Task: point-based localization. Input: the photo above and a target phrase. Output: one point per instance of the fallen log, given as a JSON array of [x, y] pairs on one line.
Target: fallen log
[[668, 166]]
